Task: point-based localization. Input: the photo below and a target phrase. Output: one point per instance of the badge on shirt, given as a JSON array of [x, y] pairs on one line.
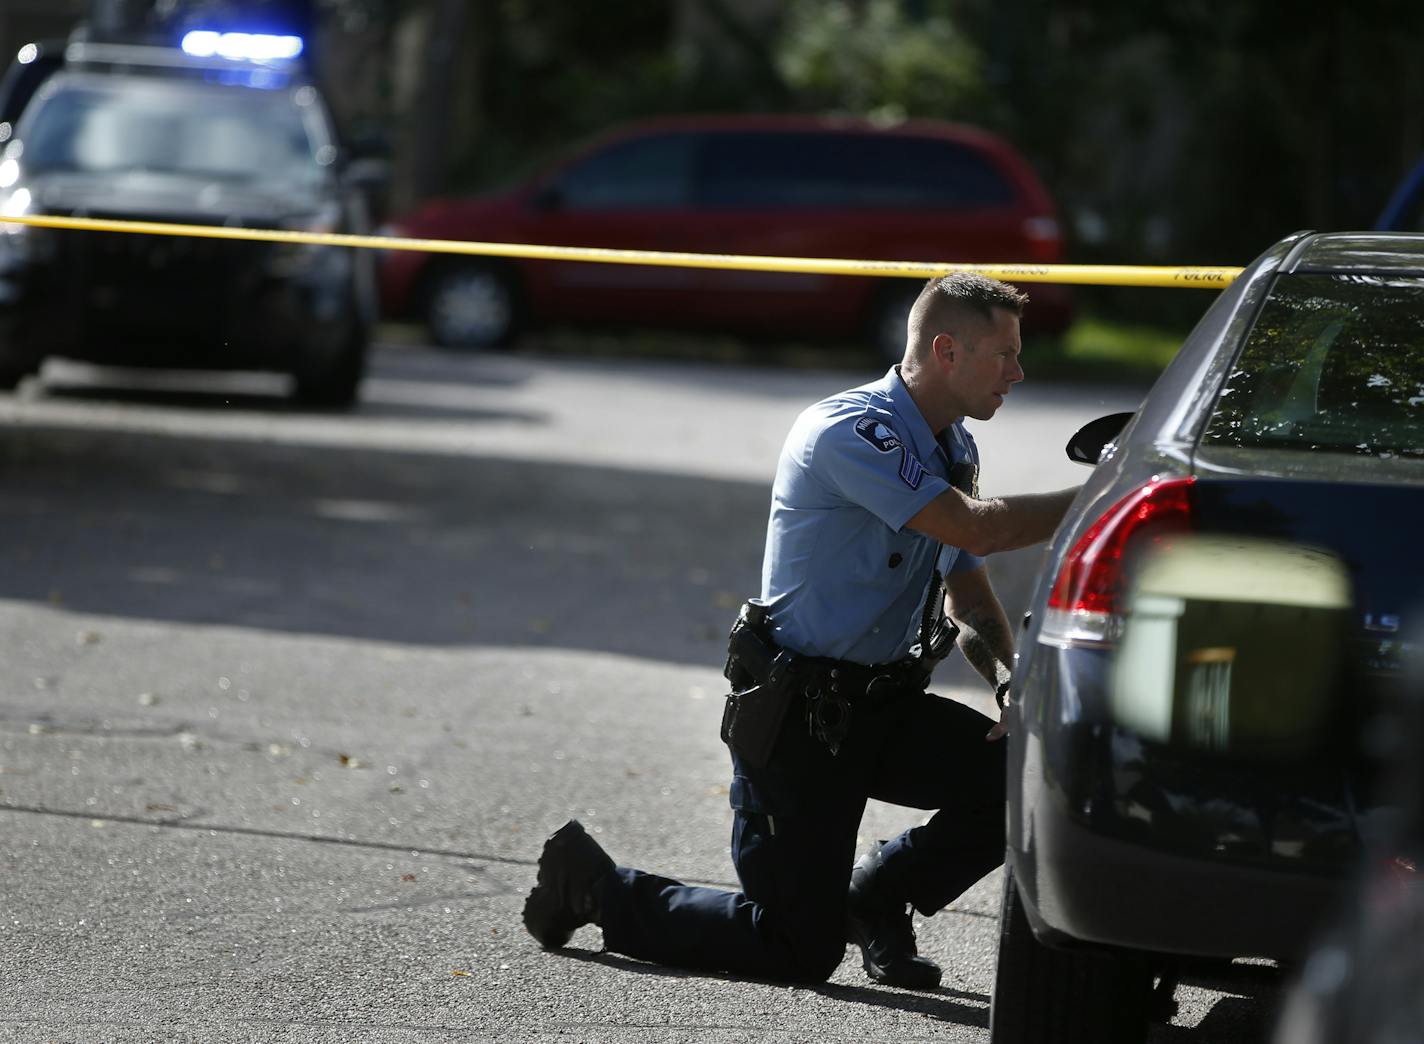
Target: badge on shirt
[[878, 434], [882, 437]]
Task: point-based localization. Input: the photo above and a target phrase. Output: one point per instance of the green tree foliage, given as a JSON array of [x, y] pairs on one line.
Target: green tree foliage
[[1188, 131], [1180, 131], [880, 58], [556, 72]]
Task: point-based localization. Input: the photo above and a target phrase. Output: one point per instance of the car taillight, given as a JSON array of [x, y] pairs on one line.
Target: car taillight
[[1086, 604], [1043, 238]]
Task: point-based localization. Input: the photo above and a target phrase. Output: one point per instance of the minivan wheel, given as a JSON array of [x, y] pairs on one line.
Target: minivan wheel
[[472, 305], [1044, 995], [889, 317]]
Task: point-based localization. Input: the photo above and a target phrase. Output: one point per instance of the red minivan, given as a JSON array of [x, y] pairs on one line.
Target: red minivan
[[795, 186]]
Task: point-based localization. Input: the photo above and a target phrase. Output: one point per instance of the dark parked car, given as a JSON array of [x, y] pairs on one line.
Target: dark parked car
[[786, 186], [1363, 982], [150, 133], [1223, 606]]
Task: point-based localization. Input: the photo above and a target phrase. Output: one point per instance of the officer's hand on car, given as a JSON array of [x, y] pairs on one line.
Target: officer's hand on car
[[1001, 728]]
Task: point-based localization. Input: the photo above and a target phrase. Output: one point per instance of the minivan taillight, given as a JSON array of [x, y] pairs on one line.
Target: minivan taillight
[[1086, 604], [1043, 238]]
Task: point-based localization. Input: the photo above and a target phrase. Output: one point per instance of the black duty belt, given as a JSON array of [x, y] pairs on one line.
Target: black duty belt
[[834, 688], [767, 678], [857, 681]]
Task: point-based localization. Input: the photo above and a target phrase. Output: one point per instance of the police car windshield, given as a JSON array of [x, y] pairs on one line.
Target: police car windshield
[[231, 133]]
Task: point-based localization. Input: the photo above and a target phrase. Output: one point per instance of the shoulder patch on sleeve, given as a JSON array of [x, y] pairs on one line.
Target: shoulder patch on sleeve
[[878, 434]]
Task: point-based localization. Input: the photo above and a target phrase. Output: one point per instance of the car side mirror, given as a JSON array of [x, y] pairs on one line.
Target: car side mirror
[[1088, 442], [367, 143], [1234, 646], [368, 172]]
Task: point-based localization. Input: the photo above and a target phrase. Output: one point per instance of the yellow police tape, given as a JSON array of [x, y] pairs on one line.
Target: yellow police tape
[[1209, 278]]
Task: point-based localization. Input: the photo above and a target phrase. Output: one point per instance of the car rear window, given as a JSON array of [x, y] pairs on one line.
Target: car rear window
[[810, 170], [1333, 362]]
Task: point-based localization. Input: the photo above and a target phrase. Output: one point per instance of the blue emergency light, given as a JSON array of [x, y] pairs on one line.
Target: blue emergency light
[[241, 47]]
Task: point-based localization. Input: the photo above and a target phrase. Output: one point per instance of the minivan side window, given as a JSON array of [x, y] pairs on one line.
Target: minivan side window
[[649, 173], [824, 170]]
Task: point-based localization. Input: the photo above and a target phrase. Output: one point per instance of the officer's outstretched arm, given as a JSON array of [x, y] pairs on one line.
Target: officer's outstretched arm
[[984, 636], [982, 527]]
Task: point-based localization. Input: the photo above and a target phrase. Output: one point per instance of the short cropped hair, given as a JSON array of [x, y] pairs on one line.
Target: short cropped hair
[[964, 294]]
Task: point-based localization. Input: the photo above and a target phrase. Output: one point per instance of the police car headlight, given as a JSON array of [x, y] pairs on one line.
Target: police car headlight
[[14, 239], [10, 171]]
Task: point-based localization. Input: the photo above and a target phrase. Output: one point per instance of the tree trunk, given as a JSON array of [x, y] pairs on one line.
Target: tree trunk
[[430, 144]]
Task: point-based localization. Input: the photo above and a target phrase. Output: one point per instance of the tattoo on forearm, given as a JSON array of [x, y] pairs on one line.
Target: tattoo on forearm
[[984, 641]]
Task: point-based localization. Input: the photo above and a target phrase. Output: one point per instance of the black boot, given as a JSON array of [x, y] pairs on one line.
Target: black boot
[[564, 897], [879, 924]]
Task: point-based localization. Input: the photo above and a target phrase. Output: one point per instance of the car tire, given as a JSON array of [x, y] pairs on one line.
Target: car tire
[[335, 383], [888, 316], [1043, 995], [472, 305], [11, 374], [14, 369]]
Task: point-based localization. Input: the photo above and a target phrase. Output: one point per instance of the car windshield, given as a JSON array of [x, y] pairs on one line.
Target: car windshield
[[1334, 363], [231, 133]]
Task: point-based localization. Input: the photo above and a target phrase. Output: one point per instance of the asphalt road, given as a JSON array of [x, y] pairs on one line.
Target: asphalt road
[[288, 702]]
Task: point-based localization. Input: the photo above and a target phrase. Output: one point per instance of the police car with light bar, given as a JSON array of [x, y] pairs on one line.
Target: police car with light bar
[[219, 128]]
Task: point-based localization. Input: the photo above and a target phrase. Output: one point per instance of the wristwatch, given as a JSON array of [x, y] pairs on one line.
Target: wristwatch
[[1001, 694]]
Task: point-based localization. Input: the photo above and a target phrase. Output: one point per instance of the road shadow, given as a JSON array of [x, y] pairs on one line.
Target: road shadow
[[942, 1003], [115, 391], [402, 383], [961, 1007], [406, 547]]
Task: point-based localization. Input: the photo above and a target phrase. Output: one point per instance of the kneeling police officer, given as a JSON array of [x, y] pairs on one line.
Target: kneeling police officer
[[874, 564]]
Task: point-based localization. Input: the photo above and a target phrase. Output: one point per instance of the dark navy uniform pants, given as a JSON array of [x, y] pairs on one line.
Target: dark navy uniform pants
[[794, 842]]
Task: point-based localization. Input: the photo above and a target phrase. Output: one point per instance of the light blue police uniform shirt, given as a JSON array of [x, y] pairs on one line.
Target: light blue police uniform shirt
[[842, 576]]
